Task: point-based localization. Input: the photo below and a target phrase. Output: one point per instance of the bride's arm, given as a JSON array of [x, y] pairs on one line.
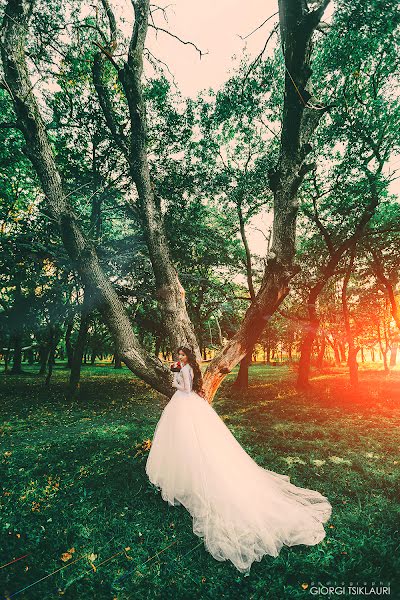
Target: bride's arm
[[185, 386], [176, 383]]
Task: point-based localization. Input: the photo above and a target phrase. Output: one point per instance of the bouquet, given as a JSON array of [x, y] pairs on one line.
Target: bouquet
[[176, 367]]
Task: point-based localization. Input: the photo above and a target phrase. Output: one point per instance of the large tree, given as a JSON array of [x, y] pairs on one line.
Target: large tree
[[299, 119]]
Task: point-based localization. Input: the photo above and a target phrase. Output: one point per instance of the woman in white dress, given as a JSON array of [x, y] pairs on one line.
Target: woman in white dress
[[241, 510]]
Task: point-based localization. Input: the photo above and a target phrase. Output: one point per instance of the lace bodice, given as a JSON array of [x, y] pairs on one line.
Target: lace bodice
[[183, 380]]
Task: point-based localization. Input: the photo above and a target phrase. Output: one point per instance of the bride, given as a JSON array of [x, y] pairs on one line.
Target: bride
[[241, 510]]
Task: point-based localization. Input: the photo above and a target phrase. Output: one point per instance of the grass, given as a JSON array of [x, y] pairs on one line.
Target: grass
[[75, 498]]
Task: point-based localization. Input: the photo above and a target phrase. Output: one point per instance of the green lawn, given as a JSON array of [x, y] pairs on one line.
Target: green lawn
[[74, 486]]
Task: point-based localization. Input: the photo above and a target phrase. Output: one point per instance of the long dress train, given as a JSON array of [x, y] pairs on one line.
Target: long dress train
[[241, 510]]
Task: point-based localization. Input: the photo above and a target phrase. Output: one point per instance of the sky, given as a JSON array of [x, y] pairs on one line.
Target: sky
[[215, 26]]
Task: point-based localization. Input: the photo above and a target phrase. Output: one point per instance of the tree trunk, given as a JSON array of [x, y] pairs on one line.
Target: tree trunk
[[117, 361], [393, 353], [321, 353], [298, 125], [352, 354], [30, 356], [221, 343], [242, 379], [336, 353], [68, 344], [7, 357], [17, 354], [80, 250], [170, 293], [44, 350], [51, 355], [303, 375], [79, 349]]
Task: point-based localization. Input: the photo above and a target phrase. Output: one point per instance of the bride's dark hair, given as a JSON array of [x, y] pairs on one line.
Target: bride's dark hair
[[192, 361]]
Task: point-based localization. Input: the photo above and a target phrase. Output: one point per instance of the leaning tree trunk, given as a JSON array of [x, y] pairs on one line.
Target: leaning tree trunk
[[169, 291], [81, 252]]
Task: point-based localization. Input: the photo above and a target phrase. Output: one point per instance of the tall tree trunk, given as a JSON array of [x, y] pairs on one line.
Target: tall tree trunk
[[321, 353], [17, 354], [352, 354], [308, 339], [170, 293], [79, 349], [51, 355], [393, 353], [297, 25], [242, 379], [68, 344], [249, 268]]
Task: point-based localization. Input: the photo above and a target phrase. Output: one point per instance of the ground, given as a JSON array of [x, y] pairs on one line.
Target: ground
[[77, 505]]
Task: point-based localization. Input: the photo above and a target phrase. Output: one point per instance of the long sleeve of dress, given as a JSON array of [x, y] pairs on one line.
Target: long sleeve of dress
[[182, 380]]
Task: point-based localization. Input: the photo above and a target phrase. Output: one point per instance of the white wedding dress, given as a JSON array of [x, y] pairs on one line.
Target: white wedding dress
[[241, 510]]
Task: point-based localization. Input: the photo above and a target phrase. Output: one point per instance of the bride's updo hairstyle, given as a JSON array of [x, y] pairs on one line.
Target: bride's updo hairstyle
[[197, 377]]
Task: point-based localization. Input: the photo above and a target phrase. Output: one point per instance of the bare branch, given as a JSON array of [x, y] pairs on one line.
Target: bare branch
[[201, 53], [257, 28]]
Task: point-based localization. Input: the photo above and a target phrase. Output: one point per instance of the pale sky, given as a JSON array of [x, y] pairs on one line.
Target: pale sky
[[214, 26]]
